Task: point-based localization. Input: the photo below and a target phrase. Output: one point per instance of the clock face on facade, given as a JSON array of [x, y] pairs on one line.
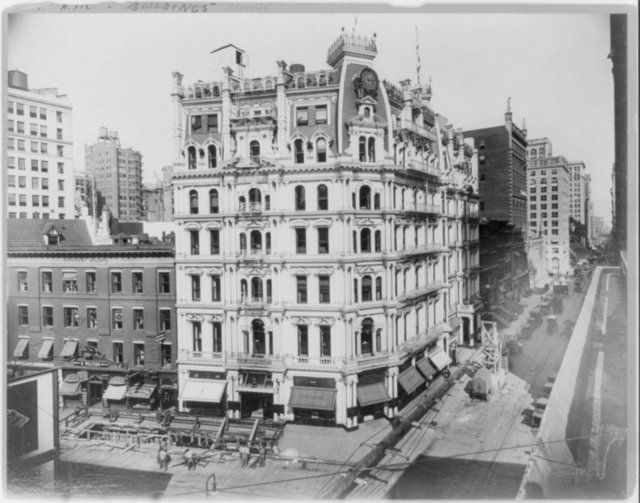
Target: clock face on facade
[[369, 80]]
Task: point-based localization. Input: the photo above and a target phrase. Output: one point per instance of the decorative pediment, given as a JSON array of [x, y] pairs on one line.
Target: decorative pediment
[[195, 317], [214, 318], [299, 223], [193, 226], [299, 320], [321, 223], [301, 271], [215, 271], [193, 271], [366, 269], [212, 225], [325, 271], [365, 222], [325, 321], [367, 100]]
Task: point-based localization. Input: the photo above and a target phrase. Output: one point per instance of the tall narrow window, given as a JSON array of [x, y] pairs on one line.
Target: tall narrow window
[[300, 198], [321, 150], [47, 281], [325, 341], [215, 241], [195, 242], [23, 315], [191, 157], [138, 354], [23, 286], [365, 240], [91, 282], [215, 288], [164, 282], [47, 316], [118, 352], [214, 206], [116, 282], [302, 116], [372, 150], [355, 290], [138, 319], [195, 288], [365, 197], [117, 319], [298, 151], [254, 150], [323, 197], [196, 332], [323, 240], [378, 288], [324, 283], [362, 149], [303, 340], [377, 241], [136, 281], [217, 337], [376, 201], [301, 288], [301, 240], [366, 289], [193, 202]]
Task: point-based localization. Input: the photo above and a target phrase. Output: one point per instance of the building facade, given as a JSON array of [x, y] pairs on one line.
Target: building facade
[[40, 182], [578, 192], [327, 243], [108, 310], [117, 173], [84, 195], [549, 205], [502, 164]]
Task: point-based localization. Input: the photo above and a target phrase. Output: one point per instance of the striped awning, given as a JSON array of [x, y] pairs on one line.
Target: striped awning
[[66, 275], [410, 380], [303, 397], [203, 390], [21, 347], [69, 388], [69, 349], [115, 392], [45, 349], [369, 394], [427, 368]]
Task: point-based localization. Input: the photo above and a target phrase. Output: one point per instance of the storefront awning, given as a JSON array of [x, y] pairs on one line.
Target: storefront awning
[[303, 397], [69, 275], [69, 388], [69, 349], [369, 394], [410, 379], [21, 347], [439, 358], [143, 392], [115, 392], [203, 391], [428, 369], [45, 349]]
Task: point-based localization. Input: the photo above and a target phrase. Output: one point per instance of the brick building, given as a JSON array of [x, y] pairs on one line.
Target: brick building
[[106, 309]]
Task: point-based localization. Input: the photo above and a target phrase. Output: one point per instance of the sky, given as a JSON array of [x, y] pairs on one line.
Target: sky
[[116, 70]]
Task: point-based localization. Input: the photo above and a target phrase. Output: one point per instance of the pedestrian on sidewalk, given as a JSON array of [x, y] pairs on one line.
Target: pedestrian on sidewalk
[[262, 452], [188, 457]]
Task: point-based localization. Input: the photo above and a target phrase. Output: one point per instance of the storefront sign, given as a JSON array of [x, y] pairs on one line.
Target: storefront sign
[[90, 363]]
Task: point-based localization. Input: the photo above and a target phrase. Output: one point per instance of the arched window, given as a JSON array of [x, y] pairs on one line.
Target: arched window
[[366, 289], [256, 289], [362, 149], [191, 157], [323, 197], [533, 152], [193, 202], [365, 197], [268, 84], [300, 81], [254, 150], [298, 151], [366, 336], [243, 242], [256, 241], [378, 288], [216, 91], [377, 240], [322, 81], [255, 198], [376, 201], [365, 240], [321, 150], [213, 156], [372, 150], [243, 203], [214, 206], [300, 199]]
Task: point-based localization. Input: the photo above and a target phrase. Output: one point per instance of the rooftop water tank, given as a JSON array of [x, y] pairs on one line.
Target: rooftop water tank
[[296, 68], [18, 80]]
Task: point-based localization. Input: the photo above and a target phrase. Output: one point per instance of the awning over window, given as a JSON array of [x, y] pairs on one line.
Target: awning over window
[[69, 349], [69, 275], [369, 394], [143, 392], [439, 358], [410, 379], [203, 391], [45, 349], [21, 347], [428, 369], [115, 392], [70, 387], [303, 397]]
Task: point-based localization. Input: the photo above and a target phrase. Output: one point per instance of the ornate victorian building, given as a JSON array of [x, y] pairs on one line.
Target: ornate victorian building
[[327, 244]]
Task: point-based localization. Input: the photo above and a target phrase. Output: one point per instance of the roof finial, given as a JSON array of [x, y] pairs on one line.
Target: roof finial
[[509, 105], [508, 115]]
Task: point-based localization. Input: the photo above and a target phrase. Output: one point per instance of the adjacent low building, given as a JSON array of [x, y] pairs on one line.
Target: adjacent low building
[[327, 242], [97, 312]]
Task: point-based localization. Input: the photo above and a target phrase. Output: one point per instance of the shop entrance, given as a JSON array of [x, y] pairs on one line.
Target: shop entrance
[[94, 391], [256, 404]]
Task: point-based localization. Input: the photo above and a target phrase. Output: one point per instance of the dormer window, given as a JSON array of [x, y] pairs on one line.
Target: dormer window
[[52, 237], [367, 113]]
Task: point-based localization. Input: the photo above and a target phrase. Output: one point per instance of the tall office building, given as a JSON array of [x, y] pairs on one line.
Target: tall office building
[[40, 181], [578, 192], [118, 176], [327, 252], [549, 200]]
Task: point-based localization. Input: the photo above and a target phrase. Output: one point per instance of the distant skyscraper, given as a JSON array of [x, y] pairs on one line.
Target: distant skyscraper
[[84, 193], [40, 181], [118, 176], [578, 187]]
